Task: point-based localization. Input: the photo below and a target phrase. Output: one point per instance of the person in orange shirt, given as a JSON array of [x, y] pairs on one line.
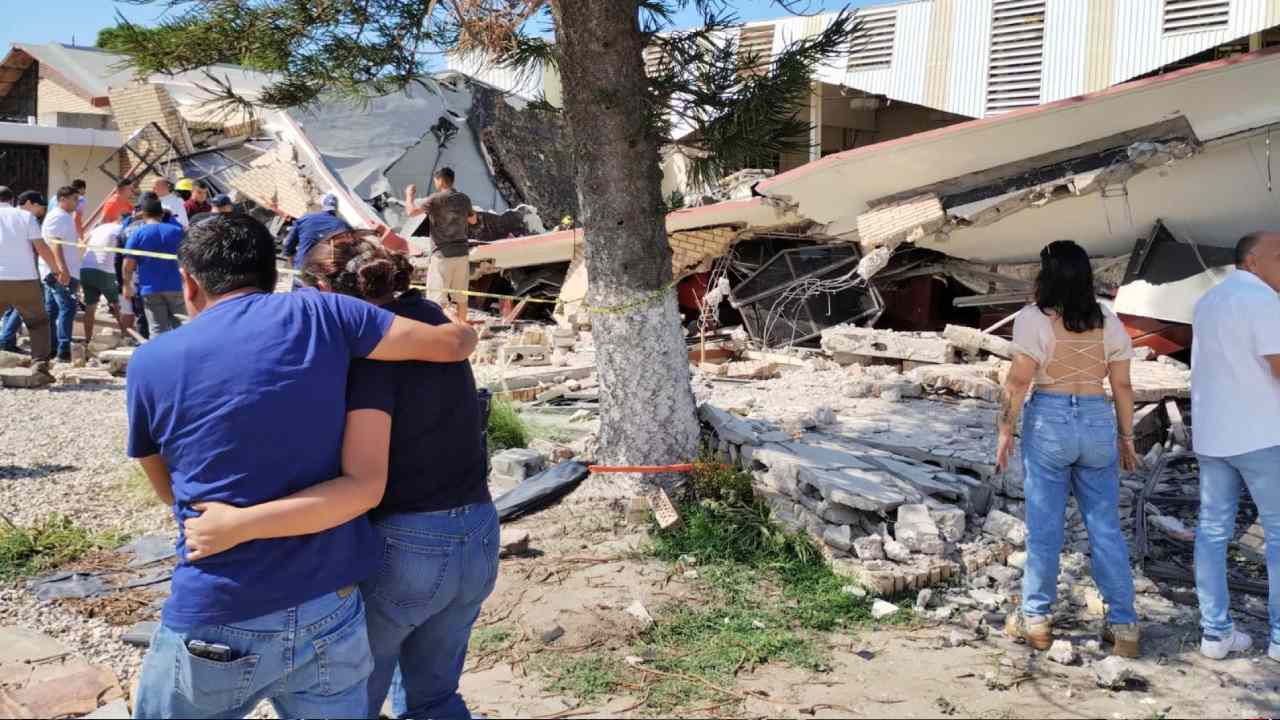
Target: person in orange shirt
[[120, 203]]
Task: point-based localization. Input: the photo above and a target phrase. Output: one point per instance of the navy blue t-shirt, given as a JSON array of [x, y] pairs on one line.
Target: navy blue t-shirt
[[246, 403], [308, 230], [154, 274], [437, 450]]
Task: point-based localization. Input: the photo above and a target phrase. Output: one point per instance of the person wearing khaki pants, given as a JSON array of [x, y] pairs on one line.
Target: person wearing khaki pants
[[20, 287]]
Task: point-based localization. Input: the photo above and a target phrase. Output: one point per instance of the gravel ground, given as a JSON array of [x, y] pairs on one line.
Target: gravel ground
[[63, 450]]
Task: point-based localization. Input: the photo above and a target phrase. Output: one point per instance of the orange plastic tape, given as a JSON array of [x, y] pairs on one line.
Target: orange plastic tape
[[641, 469]]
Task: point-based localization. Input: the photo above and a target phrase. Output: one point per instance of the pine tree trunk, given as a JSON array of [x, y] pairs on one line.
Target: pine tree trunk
[[646, 402]]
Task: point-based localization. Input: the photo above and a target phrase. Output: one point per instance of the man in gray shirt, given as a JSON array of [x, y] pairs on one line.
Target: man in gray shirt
[[449, 212]]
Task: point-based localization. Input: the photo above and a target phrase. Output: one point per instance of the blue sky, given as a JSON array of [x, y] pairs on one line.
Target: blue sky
[[65, 20]]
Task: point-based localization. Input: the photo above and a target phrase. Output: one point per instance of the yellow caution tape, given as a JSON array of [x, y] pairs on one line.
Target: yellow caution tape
[[655, 296]]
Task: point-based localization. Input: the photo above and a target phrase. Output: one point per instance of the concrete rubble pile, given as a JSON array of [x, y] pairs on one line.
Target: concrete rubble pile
[[895, 500]]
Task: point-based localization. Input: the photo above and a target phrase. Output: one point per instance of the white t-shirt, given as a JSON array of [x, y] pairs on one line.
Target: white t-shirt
[[103, 236], [173, 203], [1235, 400], [61, 225], [17, 256]]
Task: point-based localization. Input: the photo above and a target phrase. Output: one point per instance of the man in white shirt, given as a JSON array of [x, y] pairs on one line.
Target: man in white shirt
[[1235, 403], [20, 287], [97, 276], [171, 202], [60, 301]]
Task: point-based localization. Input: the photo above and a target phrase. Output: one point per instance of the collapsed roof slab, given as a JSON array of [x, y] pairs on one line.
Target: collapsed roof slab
[[387, 144], [1219, 100]]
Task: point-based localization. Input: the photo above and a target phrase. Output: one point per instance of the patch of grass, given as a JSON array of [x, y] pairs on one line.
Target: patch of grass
[[714, 480], [136, 488], [506, 429], [772, 597], [585, 677], [490, 639], [51, 542]]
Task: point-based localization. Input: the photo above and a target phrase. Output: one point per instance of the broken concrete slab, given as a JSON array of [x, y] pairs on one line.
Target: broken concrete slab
[[866, 342], [869, 547], [975, 381], [1113, 673], [13, 360], [139, 634], [975, 340], [881, 609], [22, 378], [117, 360], [516, 464], [857, 489], [728, 426], [950, 521], [916, 530], [1005, 527]]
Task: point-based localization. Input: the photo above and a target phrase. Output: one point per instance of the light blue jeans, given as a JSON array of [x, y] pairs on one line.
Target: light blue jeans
[[311, 661], [1220, 481], [437, 570], [1069, 445]]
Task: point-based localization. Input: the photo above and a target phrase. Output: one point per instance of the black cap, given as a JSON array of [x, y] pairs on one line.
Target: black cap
[[31, 196], [221, 200]]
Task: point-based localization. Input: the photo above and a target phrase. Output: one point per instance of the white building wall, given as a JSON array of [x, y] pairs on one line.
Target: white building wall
[[525, 82], [1142, 46], [970, 49], [1062, 75]]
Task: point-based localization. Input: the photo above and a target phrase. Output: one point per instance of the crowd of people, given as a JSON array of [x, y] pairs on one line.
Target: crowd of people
[[58, 262], [323, 449]]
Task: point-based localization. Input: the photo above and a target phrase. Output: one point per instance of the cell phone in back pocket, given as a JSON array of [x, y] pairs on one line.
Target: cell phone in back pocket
[[209, 651]]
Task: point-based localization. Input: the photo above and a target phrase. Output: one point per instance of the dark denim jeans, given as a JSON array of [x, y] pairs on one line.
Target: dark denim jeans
[[9, 325], [1069, 445], [61, 304], [311, 661], [437, 569]]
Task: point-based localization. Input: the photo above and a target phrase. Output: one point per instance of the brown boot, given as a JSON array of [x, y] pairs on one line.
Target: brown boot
[[1123, 639], [1037, 631]]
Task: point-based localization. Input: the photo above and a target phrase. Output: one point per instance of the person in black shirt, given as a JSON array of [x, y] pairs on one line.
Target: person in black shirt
[[436, 522]]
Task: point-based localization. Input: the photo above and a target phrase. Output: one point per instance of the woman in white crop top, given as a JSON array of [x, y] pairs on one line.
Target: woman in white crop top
[[1067, 347]]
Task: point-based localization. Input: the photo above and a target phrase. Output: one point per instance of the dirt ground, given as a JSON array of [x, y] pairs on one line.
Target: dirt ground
[[586, 568]]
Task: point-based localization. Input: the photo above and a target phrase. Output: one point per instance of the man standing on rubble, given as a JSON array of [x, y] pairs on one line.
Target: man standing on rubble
[[1235, 402], [159, 283], [449, 212], [245, 404], [20, 287], [174, 204]]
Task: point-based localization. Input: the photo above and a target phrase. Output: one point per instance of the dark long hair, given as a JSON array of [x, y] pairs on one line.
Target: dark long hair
[[358, 267], [1065, 286]]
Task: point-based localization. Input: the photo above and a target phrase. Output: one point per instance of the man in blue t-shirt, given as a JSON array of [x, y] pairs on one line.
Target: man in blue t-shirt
[[244, 404], [159, 283], [311, 228]]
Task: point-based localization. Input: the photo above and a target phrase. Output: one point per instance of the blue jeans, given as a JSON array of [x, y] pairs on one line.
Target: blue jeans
[[437, 569], [9, 329], [1220, 481], [311, 660], [60, 302], [1069, 445]]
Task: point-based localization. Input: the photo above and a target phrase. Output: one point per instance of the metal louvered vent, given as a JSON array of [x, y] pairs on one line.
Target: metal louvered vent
[[656, 60], [1195, 15], [872, 49], [756, 41], [1017, 49]]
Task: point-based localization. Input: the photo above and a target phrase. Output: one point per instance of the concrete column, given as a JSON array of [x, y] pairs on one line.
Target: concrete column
[[815, 120]]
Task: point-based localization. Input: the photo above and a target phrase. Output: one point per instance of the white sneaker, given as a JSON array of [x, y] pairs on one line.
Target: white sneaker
[[1218, 649]]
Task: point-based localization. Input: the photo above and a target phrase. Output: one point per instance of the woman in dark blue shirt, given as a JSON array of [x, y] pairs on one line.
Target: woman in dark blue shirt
[[436, 524]]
